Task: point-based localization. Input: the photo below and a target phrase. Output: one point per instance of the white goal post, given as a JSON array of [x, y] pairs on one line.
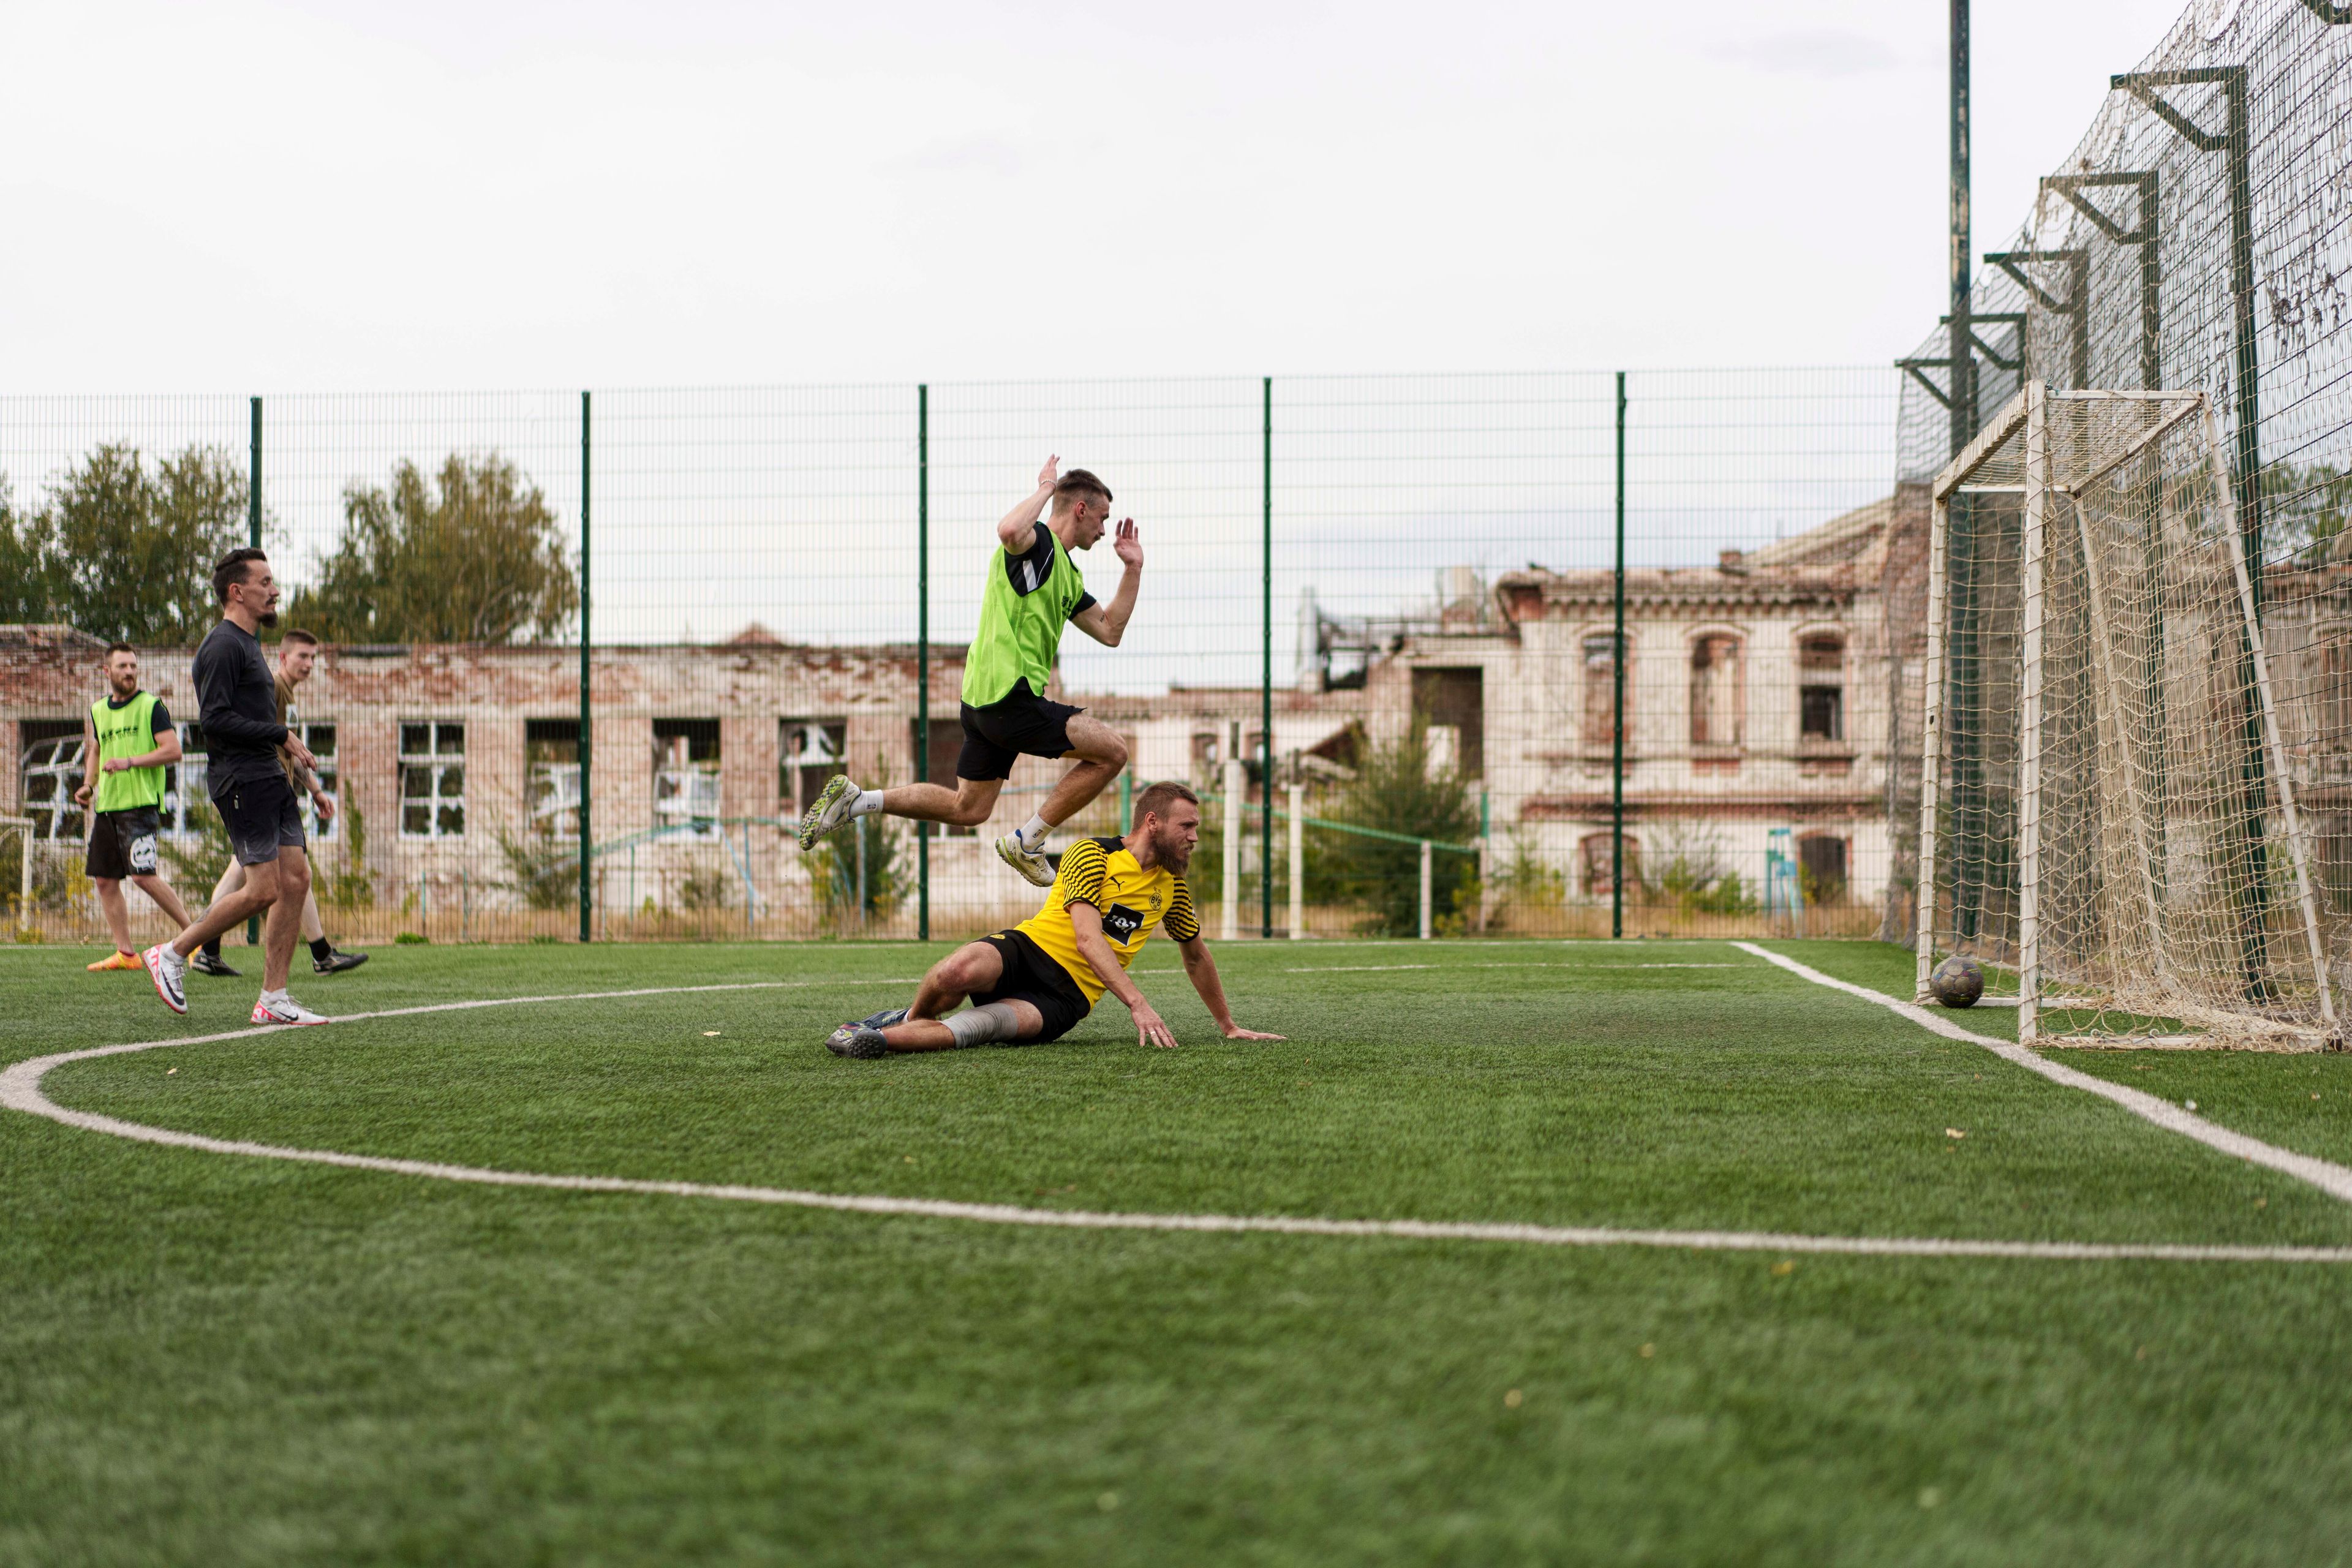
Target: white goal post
[[2106, 810]]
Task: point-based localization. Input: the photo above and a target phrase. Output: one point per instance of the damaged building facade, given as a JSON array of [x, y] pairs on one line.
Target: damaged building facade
[[1759, 692]]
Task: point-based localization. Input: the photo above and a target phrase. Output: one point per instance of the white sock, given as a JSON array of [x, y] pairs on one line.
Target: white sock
[[269, 997], [867, 803], [1033, 834]]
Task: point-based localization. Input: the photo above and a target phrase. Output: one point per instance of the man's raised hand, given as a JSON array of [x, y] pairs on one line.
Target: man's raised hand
[[1128, 544], [1050, 475]]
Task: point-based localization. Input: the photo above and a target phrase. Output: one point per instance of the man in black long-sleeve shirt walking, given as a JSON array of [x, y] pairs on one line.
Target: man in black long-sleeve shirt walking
[[238, 709]]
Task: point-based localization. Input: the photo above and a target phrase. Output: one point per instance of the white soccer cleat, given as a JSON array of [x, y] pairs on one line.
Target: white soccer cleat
[[828, 811], [168, 970], [285, 1010], [1029, 863]]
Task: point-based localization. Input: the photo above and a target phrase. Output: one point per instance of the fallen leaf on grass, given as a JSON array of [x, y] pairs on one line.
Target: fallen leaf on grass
[[1786, 1266], [709, 1034], [1954, 1133], [168, 1072], [1648, 1351], [1511, 1399]]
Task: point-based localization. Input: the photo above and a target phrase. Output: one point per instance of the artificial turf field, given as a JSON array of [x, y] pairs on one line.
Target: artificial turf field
[[210, 1359]]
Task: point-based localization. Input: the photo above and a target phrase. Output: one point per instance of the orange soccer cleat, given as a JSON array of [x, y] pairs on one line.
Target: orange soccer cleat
[[118, 959]]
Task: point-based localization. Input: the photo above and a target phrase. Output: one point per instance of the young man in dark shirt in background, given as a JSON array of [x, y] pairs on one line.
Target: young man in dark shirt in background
[[238, 703]]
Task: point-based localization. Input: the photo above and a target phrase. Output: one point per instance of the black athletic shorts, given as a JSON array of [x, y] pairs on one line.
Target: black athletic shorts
[[261, 817], [1031, 975], [122, 843], [1022, 725]]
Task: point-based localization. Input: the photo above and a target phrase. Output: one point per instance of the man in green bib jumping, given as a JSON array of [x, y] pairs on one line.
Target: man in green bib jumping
[[127, 742], [1032, 588]]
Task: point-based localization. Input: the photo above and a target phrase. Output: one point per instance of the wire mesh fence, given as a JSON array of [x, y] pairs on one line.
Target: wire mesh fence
[[1376, 633], [2199, 238]]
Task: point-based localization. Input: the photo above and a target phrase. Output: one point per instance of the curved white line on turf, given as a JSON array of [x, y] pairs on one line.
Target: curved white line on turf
[[2334, 1180], [20, 1090]]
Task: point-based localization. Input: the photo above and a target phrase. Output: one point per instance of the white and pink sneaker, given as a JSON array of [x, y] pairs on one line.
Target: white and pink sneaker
[[168, 970], [282, 1008]]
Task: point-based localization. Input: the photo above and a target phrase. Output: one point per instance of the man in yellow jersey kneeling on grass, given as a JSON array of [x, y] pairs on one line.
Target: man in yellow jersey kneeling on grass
[[1036, 982]]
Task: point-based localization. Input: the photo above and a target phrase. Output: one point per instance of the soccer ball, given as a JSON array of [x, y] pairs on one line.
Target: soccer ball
[[1958, 981]]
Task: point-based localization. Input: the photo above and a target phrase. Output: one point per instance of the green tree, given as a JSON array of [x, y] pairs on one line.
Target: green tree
[[31, 589], [2306, 506], [832, 866], [123, 549], [472, 555], [1396, 791]]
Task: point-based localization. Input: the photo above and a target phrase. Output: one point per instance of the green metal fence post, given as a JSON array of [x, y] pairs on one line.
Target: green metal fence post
[[587, 722], [923, 651], [253, 537], [1266, 682], [1617, 702]]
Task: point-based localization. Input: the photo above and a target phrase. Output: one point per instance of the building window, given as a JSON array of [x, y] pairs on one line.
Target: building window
[[551, 754], [431, 779], [47, 773], [1593, 852], [1821, 861], [811, 751], [1452, 704], [1715, 690], [686, 774], [321, 739], [1821, 688], [1599, 689]]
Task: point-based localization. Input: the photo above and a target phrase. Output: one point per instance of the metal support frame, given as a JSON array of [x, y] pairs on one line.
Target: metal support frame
[[1617, 702], [1266, 682], [2234, 141], [253, 538], [2141, 233], [2074, 307], [923, 651], [587, 720], [1962, 367]]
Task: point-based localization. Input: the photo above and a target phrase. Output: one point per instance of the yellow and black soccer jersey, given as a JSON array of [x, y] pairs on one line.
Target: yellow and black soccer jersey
[[1134, 903]]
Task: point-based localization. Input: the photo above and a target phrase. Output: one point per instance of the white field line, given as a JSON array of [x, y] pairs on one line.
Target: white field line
[[20, 1090], [2334, 1180], [1531, 963]]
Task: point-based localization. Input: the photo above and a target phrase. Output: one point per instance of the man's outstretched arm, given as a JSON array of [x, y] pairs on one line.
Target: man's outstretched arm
[[1085, 925], [1201, 970], [1017, 531], [1108, 622]]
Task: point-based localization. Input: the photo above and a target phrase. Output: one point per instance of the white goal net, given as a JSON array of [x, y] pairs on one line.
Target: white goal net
[[2106, 819]]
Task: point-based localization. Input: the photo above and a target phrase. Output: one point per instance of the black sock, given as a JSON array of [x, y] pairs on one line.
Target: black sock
[[212, 948], [322, 950]]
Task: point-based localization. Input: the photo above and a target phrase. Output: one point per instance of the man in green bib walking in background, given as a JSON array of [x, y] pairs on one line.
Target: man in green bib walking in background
[[127, 742], [1032, 588]]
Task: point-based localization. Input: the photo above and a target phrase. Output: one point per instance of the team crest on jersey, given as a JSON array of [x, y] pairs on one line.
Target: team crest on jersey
[[1154, 900]]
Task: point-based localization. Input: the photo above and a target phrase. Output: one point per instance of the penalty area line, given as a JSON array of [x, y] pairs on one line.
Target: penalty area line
[[2333, 1179]]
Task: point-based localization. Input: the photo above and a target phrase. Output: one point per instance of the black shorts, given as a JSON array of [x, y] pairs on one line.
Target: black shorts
[[1031, 975], [122, 843], [1022, 725], [261, 818]]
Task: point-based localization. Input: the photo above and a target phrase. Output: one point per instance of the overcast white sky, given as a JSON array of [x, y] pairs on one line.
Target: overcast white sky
[[327, 195]]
